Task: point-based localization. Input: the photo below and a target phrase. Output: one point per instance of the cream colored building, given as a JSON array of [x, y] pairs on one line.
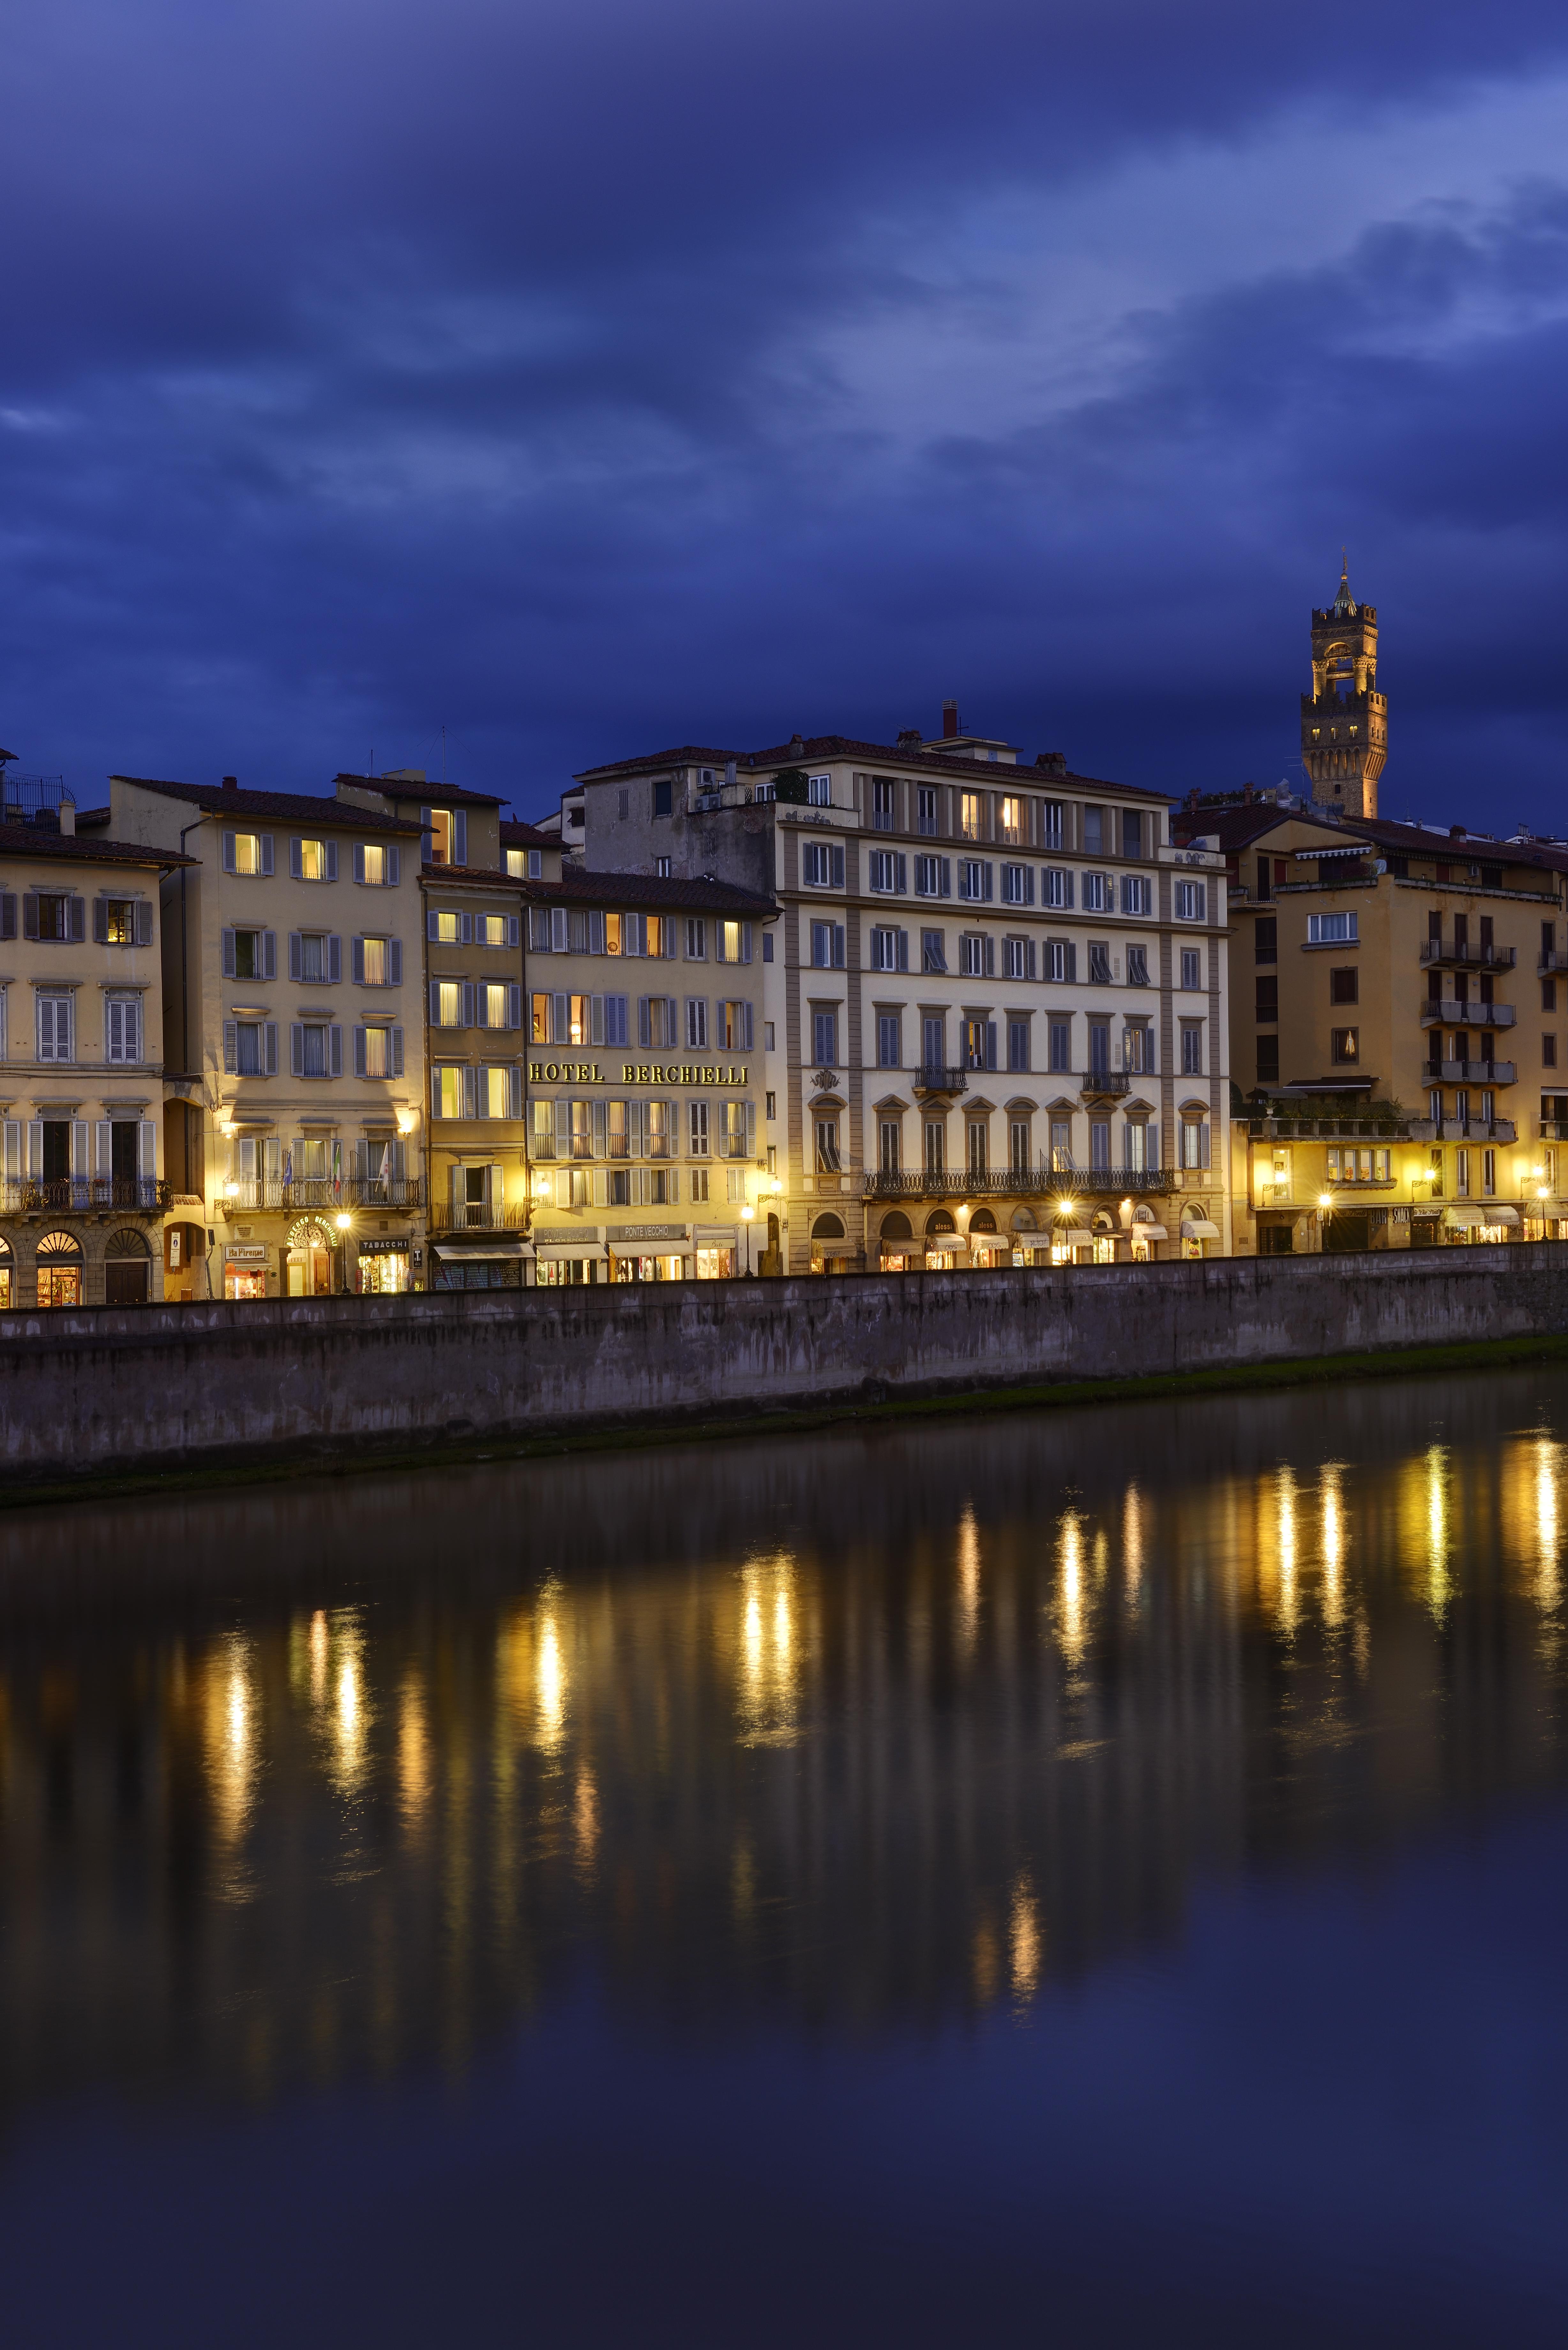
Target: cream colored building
[[292, 972], [84, 1195]]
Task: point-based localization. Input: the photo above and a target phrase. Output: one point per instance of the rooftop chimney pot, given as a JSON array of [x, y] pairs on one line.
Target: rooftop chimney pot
[[231, 782], [950, 720]]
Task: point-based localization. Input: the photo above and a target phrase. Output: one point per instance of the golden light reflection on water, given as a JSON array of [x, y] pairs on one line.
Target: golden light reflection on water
[[550, 1686], [1025, 1940], [1285, 1546], [1440, 1582], [967, 1579], [413, 1756], [1548, 1523], [1332, 1508], [1072, 1622], [230, 1740], [768, 1676], [1132, 1543]]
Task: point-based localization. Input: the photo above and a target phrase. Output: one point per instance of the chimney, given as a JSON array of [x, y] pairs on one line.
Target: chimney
[[1053, 762], [796, 747], [909, 738], [231, 782], [1457, 832], [1246, 795], [68, 816], [950, 721]]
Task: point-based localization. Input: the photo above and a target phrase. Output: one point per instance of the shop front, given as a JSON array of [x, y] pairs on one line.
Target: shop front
[[1196, 1229], [718, 1252], [383, 1267], [244, 1270], [490, 1260], [988, 1248], [8, 1277], [59, 1265], [306, 1260], [570, 1261]]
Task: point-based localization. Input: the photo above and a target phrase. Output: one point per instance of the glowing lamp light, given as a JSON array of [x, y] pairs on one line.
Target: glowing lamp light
[[231, 1189], [747, 1215], [1325, 1201], [776, 1187], [344, 1222], [406, 1121]]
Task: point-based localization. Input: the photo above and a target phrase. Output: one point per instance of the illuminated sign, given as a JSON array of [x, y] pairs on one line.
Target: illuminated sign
[[640, 1073]]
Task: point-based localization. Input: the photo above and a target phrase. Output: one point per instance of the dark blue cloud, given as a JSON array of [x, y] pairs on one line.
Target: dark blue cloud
[[591, 379]]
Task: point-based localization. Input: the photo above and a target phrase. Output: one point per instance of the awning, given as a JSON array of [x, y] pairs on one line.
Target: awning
[[554, 1252], [483, 1251], [901, 1248], [945, 1243], [1502, 1215], [715, 1236], [1199, 1228], [1463, 1217], [1149, 1232], [647, 1248]]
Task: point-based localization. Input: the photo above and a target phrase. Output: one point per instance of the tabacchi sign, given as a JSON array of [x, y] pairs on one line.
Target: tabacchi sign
[[639, 1073]]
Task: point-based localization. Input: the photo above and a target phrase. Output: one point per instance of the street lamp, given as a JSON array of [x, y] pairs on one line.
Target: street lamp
[[748, 1215]]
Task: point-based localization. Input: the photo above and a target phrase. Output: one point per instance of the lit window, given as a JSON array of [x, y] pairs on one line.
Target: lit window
[[247, 852], [375, 864], [448, 929], [312, 860], [970, 822]]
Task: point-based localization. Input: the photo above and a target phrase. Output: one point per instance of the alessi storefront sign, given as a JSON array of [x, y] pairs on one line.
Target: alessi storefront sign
[[639, 1073]]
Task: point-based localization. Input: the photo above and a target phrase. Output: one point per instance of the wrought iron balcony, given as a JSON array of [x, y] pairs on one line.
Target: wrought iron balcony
[[1463, 1129], [1546, 963], [81, 1195], [404, 1191], [941, 1081], [1446, 1012], [1104, 1084], [1466, 957], [478, 1216], [1067, 1183]]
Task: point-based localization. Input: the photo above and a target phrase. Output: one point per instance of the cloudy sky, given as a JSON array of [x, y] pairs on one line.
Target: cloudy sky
[[581, 379]]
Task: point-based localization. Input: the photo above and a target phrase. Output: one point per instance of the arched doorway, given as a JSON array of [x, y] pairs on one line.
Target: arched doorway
[[829, 1248], [59, 1270], [127, 1269], [896, 1243], [308, 1263]]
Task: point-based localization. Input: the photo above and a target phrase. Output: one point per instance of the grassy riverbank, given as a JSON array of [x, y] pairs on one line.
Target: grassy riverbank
[[748, 1422]]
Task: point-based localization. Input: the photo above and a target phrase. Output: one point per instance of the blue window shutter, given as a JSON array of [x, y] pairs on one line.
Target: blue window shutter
[[358, 860], [332, 860], [394, 963], [334, 958]]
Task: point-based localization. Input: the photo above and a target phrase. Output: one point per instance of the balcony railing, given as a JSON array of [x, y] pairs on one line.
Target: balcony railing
[[1448, 1013], [1070, 1183], [1463, 1129], [1329, 1129], [478, 1216], [1106, 1085], [1552, 1129], [1466, 957], [83, 1195], [321, 1191], [1545, 963], [941, 1081], [1470, 1073]]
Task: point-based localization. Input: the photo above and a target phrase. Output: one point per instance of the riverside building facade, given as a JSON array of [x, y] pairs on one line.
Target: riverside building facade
[[84, 1196], [472, 945], [995, 1024], [646, 1102], [290, 973]]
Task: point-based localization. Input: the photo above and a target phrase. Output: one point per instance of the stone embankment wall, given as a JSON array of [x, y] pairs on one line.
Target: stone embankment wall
[[114, 1389]]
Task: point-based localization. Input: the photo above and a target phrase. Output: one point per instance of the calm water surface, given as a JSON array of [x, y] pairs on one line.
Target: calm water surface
[[1095, 1878]]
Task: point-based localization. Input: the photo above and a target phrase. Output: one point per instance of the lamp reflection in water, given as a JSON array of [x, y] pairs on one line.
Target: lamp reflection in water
[[550, 1687], [1332, 1543], [768, 1665], [1072, 1631], [1132, 1543], [969, 1580], [1548, 1523], [229, 1736], [347, 1721], [1286, 1540], [1438, 1580], [1026, 1941], [413, 1757]]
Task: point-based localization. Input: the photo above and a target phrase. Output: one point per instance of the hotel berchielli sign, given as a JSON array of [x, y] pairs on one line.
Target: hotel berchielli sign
[[639, 1073]]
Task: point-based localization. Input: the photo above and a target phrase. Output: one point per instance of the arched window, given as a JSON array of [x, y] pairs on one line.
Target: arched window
[[982, 1220], [941, 1223], [827, 1228], [59, 1270], [896, 1227]]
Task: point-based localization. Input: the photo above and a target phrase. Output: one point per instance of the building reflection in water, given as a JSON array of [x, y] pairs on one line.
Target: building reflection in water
[[853, 1731]]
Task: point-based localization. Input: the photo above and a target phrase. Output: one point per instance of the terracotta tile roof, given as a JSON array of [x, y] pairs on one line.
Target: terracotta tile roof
[[281, 807], [397, 787], [32, 840], [580, 887], [516, 834], [466, 877], [755, 766]]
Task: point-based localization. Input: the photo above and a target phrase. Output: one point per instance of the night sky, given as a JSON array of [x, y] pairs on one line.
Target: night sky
[[592, 378]]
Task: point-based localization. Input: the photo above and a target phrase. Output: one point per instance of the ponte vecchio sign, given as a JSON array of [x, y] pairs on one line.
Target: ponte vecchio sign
[[639, 1073]]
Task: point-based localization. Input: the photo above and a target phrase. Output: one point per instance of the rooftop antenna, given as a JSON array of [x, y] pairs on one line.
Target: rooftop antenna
[[443, 758]]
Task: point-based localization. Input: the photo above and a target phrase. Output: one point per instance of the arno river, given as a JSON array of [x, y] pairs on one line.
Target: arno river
[[1094, 1877]]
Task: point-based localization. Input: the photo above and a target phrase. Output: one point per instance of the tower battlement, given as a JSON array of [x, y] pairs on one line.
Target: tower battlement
[[1344, 719]]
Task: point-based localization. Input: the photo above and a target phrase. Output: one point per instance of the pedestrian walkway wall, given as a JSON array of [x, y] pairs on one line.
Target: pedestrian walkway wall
[[114, 1389]]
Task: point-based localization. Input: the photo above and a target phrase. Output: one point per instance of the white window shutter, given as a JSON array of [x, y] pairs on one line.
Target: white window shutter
[[230, 1048], [11, 1150], [394, 866], [267, 853], [397, 1052], [358, 963], [297, 1048], [335, 1037], [228, 954], [332, 860], [296, 955], [359, 1051], [296, 860], [558, 929], [460, 837], [81, 1168], [269, 1040], [104, 1140], [147, 1149], [394, 963], [228, 852], [35, 1149], [751, 1130], [334, 958]]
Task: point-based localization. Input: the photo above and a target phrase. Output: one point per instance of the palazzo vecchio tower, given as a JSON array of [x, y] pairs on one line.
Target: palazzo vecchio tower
[[1344, 719]]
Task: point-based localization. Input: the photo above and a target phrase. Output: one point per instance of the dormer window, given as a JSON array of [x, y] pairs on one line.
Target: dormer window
[[441, 836]]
